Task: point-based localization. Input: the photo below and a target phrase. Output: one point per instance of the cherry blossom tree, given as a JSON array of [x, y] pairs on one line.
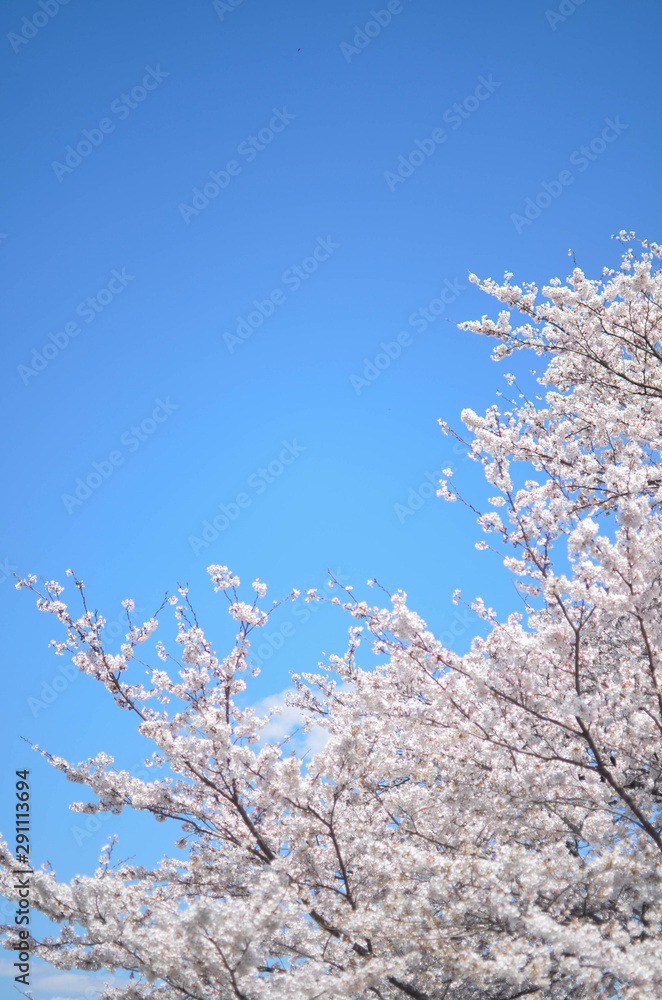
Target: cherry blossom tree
[[484, 826]]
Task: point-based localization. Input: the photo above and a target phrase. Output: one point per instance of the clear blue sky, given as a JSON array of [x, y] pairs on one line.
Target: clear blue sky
[[362, 168]]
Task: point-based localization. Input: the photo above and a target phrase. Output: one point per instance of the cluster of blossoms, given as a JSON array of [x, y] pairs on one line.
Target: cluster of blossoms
[[476, 827]]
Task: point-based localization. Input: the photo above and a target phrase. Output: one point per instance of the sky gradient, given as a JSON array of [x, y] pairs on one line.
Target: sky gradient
[[236, 239]]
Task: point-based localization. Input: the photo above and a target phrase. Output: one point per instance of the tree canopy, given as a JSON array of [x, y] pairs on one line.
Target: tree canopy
[[481, 826]]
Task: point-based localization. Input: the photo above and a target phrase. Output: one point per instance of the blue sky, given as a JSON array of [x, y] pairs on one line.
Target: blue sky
[[216, 216]]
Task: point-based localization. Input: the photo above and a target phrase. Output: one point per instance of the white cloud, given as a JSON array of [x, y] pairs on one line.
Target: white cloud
[[54, 984], [7, 967], [290, 719], [75, 985]]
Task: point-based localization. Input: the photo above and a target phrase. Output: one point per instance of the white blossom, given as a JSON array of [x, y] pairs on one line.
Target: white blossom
[[243, 612], [481, 826]]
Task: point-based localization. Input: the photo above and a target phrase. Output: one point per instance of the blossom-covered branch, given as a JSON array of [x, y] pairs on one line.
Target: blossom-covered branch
[[486, 825]]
